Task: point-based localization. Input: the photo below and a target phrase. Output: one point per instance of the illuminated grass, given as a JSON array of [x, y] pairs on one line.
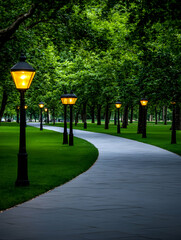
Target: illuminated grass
[[50, 163]]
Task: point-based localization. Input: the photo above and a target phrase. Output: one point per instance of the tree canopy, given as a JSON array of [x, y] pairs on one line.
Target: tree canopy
[[102, 50]]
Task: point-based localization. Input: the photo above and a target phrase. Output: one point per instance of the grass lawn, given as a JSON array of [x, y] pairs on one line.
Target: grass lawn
[[50, 163], [157, 134]]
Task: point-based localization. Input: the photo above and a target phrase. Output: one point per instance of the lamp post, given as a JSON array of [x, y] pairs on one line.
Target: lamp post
[[41, 106], [65, 102], [22, 74], [46, 117], [118, 105], [69, 99], [144, 103], [173, 139]]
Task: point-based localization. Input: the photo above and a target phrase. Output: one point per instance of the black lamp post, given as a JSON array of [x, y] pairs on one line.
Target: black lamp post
[[118, 105], [173, 139], [41, 106], [22, 74], [65, 103], [144, 103], [46, 117], [69, 99]]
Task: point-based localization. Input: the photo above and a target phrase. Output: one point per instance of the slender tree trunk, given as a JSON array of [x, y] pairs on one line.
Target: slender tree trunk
[[125, 117], [178, 117], [131, 117], [115, 122], [165, 116], [93, 113], [76, 118], [140, 120], [3, 104], [53, 112], [156, 118], [107, 117], [84, 115], [98, 114]]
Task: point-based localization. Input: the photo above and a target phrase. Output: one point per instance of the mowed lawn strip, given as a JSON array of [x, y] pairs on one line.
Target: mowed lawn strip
[[50, 163], [157, 134]]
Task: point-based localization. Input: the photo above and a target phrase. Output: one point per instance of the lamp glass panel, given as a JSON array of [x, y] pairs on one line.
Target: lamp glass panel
[[41, 105], [118, 105], [22, 79], [72, 101], [144, 102], [64, 100]]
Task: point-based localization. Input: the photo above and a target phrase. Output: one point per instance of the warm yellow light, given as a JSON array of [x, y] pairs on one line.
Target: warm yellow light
[[22, 79], [68, 100], [41, 105], [64, 100], [72, 101], [173, 103], [46, 109], [118, 105], [25, 106], [143, 102]]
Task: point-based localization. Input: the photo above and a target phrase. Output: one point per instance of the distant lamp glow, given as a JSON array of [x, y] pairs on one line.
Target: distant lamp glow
[[69, 99], [118, 104], [22, 74], [46, 109], [25, 106], [144, 101], [173, 103], [41, 105]]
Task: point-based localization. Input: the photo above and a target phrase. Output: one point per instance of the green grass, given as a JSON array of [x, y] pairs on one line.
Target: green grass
[[50, 163], [157, 134]]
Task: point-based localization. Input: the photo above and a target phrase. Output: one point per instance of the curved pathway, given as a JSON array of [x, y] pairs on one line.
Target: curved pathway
[[133, 191]]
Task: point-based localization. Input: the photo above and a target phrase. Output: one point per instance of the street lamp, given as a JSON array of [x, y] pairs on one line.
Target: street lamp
[[118, 105], [22, 74], [69, 99], [144, 103], [65, 103], [46, 110], [173, 139], [41, 106]]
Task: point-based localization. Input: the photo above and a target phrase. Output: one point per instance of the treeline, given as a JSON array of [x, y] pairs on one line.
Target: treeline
[[102, 50]]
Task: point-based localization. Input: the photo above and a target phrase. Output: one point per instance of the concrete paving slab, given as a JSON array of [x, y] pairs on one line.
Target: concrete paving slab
[[133, 191]]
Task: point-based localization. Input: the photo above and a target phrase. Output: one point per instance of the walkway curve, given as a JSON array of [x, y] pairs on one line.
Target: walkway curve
[[133, 191]]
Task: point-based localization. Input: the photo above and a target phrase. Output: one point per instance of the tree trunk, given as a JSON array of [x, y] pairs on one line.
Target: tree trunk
[[76, 118], [53, 113], [98, 114], [156, 119], [125, 117], [131, 117], [107, 117], [84, 115], [93, 114], [178, 117], [3, 104], [140, 119], [165, 116], [115, 120]]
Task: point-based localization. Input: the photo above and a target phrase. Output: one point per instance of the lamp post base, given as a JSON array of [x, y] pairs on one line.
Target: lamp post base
[[22, 178], [71, 143]]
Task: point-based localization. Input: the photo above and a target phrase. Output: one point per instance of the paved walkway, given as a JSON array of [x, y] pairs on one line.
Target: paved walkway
[[133, 192]]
